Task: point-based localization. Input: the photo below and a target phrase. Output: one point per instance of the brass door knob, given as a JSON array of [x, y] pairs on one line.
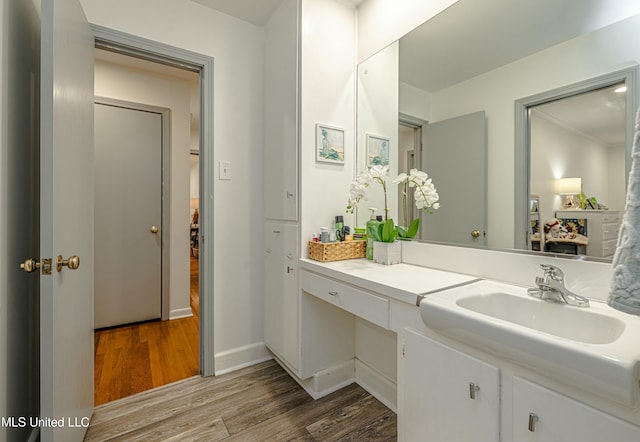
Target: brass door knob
[[475, 233], [30, 265], [73, 262], [154, 229]]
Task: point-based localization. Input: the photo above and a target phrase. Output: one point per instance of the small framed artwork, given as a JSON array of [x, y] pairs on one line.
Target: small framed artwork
[[329, 144], [377, 150]]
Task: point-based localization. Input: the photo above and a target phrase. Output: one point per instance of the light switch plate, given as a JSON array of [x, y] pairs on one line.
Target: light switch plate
[[225, 170]]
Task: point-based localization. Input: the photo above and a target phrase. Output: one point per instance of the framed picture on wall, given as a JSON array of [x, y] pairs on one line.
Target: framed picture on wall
[[329, 144], [377, 150]]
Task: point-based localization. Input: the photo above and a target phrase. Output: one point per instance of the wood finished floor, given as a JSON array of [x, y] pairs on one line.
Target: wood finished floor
[[258, 403], [136, 358]]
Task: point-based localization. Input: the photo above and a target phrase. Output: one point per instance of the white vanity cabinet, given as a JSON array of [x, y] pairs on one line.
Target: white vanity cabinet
[[542, 415], [281, 291], [328, 332], [449, 396]]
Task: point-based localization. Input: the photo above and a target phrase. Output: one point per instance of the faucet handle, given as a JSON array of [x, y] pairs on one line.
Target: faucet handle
[[552, 272]]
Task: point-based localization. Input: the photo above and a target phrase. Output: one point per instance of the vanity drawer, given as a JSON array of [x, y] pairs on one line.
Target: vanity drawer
[[609, 247], [611, 218], [362, 304], [610, 231]]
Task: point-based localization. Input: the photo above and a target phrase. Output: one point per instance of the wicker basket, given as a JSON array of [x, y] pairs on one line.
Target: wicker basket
[[336, 251]]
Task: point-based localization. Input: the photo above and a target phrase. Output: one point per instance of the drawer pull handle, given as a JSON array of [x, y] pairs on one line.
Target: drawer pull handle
[[333, 293], [533, 418], [473, 390]]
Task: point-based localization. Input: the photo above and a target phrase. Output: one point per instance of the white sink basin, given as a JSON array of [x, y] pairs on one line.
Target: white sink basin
[[594, 348], [577, 324]]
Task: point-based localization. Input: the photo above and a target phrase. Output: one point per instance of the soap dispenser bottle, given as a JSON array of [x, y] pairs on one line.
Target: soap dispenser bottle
[[374, 223]]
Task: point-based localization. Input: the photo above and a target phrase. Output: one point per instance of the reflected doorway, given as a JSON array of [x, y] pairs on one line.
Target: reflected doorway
[[137, 357], [557, 136], [578, 151]]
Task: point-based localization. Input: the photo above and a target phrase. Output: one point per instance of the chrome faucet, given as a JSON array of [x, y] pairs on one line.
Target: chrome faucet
[[551, 287]]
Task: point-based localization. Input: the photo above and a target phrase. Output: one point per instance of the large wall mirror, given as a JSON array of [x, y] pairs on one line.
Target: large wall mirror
[[463, 72]]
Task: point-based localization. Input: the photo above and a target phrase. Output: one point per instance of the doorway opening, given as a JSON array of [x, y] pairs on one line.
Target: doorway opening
[[590, 123], [409, 144], [134, 357]]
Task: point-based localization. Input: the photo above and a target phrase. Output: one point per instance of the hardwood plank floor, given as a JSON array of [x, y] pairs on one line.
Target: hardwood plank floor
[[258, 403], [138, 357]]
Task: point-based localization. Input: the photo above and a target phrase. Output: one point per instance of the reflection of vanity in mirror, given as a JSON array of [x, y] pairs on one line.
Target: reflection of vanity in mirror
[[440, 73]]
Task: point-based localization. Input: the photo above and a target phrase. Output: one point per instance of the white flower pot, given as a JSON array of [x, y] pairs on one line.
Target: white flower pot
[[387, 252]]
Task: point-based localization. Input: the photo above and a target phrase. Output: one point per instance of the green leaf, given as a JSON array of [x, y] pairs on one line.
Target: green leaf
[[413, 228], [372, 231], [401, 232], [389, 231]]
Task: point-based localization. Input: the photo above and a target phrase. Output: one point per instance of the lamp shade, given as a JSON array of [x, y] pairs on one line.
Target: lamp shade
[[194, 203], [569, 186]]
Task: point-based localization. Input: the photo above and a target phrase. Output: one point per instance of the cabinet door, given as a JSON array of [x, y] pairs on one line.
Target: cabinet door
[[557, 418], [281, 119], [448, 395], [280, 292]]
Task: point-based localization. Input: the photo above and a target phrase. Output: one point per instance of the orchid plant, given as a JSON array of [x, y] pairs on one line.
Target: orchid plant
[[425, 196]]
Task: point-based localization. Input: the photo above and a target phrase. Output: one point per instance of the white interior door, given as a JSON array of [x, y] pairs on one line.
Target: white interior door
[[455, 156], [128, 215], [66, 219]]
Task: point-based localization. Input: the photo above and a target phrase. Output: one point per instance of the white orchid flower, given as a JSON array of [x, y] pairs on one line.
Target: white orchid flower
[[379, 171], [402, 178]]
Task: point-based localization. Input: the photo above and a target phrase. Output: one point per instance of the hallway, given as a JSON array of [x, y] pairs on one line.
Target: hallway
[[139, 357]]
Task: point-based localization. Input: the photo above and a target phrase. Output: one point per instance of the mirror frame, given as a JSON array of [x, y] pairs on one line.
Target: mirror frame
[[630, 76]]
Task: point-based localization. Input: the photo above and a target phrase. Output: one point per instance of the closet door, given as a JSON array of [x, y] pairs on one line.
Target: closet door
[[128, 214]]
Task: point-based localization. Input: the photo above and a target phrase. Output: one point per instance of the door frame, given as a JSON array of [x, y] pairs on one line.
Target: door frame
[[165, 193], [135, 46], [522, 180]]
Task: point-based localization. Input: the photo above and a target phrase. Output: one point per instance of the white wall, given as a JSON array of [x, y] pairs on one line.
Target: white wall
[[327, 96], [130, 84], [377, 114], [381, 22], [415, 102], [584, 57], [617, 183], [560, 152], [237, 48]]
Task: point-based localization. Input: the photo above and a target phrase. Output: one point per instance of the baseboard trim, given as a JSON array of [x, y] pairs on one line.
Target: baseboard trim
[[180, 313], [378, 385], [326, 381], [241, 357]]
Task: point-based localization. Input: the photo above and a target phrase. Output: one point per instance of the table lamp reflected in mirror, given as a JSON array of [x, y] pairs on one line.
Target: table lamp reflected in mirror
[[569, 188]]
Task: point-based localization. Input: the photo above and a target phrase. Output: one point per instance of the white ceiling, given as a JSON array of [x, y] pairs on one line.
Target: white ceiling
[[599, 114], [253, 11], [473, 37]]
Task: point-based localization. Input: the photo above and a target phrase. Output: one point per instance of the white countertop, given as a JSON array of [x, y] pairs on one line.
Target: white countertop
[[402, 282]]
